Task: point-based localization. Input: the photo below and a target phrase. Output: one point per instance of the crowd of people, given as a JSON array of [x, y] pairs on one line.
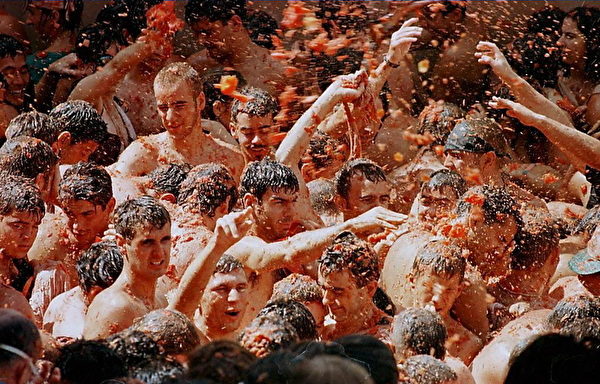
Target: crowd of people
[[348, 192]]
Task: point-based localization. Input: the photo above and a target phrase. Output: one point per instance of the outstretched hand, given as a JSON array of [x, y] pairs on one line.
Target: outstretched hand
[[232, 227], [402, 39], [490, 54], [348, 88], [377, 218], [516, 110]]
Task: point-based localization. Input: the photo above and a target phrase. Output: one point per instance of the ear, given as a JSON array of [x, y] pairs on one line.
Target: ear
[[236, 23], [218, 108], [64, 140], [169, 197], [488, 160], [371, 288], [111, 204], [306, 173], [40, 182], [120, 240], [201, 101], [249, 200]]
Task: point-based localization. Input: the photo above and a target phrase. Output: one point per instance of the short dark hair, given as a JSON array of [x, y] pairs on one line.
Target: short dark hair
[[26, 157], [19, 195], [496, 203], [108, 151], [9, 46], [321, 150], [439, 119], [261, 104], [445, 260], [587, 22], [536, 241], [88, 182], [322, 192], [212, 94], [573, 308], [343, 62], [134, 347], [264, 175], [174, 73], [81, 120], [133, 214], [297, 287], [214, 10], [537, 60], [296, 313], [445, 177], [158, 371], [261, 27], [206, 187], [373, 354], [18, 332], [367, 168], [89, 362], [349, 252], [425, 369], [222, 361], [420, 330], [227, 264], [281, 335], [100, 265], [35, 124], [93, 41], [70, 14], [168, 178], [327, 369]]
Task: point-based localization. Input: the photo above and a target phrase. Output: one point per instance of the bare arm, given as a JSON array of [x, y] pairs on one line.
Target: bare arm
[[138, 159], [491, 55]]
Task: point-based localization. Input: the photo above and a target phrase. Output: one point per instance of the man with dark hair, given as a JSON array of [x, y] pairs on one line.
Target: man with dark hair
[[438, 197], [180, 100], [361, 185], [35, 124], [322, 193], [89, 362], [165, 181], [224, 361], [267, 334], [297, 314], [20, 346], [323, 157], [15, 72], [348, 275], [218, 105], [97, 268], [425, 369]]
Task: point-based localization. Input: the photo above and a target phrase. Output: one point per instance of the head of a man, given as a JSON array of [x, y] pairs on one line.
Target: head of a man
[[426, 369], [271, 189], [218, 105], [224, 301], [303, 289], [323, 158], [20, 347], [444, 18], [98, 268], [571, 309], [438, 273], [296, 313], [89, 361], [35, 124], [361, 185], [179, 98], [267, 334], [14, 69], [143, 227], [165, 181], [83, 131], [252, 123], [586, 264], [322, 200], [419, 331], [223, 361], [209, 190], [439, 195], [217, 24], [85, 196], [487, 224], [438, 119], [49, 17], [348, 276]]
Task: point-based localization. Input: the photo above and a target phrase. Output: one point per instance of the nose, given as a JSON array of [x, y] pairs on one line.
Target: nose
[[257, 139], [234, 296], [327, 298], [18, 78], [449, 162], [561, 41], [170, 115]]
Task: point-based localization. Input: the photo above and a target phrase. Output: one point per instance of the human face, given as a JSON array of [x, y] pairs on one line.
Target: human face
[[224, 301], [77, 152], [48, 184], [16, 74], [276, 212], [318, 311], [462, 163], [42, 19], [214, 36], [436, 203], [148, 253], [87, 221], [254, 134], [17, 233], [178, 109], [437, 291], [343, 299], [364, 195], [572, 42]]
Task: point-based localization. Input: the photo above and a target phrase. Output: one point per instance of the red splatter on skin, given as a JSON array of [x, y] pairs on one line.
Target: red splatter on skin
[[439, 150], [549, 178], [377, 237], [584, 189], [457, 231], [474, 176], [419, 140]]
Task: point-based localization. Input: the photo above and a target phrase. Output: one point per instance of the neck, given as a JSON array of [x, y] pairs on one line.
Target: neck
[[578, 70], [358, 322], [213, 333], [265, 234], [194, 139], [137, 286]]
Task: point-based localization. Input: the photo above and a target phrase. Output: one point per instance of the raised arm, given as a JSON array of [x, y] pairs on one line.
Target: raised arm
[[581, 149], [228, 231], [490, 54]]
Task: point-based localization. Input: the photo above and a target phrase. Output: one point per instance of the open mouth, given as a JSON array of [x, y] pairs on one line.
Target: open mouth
[[232, 313], [157, 263]]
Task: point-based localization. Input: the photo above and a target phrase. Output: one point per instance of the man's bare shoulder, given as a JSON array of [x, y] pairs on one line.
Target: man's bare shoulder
[[50, 242], [138, 157]]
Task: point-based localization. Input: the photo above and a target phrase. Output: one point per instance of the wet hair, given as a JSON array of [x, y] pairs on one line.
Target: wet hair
[[425, 369], [261, 28], [93, 41], [108, 151], [35, 124], [99, 266], [364, 167], [446, 178], [19, 332], [206, 187], [573, 308], [342, 62], [439, 119], [585, 330], [297, 287], [214, 10], [87, 182], [89, 362], [19, 195], [478, 135], [81, 120], [420, 332], [264, 175], [9, 46], [134, 348], [212, 94], [325, 369], [172, 330], [134, 214], [537, 60], [588, 222], [26, 157], [222, 361], [159, 371], [322, 149], [261, 104], [321, 193], [272, 369], [547, 21], [267, 334], [440, 259], [296, 313], [128, 15], [497, 204], [383, 301], [168, 178], [537, 240], [228, 264], [175, 73], [373, 355], [587, 22], [349, 252], [70, 14]]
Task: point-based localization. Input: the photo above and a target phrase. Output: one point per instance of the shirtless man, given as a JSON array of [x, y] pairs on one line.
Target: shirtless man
[[180, 100], [98, 268], [348, 275], [15, 72]]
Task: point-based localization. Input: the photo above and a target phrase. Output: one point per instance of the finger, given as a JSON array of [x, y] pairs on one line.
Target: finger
[[485, 60], [409, 22], [385, 224]]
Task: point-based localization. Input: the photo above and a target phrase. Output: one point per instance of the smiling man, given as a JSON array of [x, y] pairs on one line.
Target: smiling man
[[15, 71]]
